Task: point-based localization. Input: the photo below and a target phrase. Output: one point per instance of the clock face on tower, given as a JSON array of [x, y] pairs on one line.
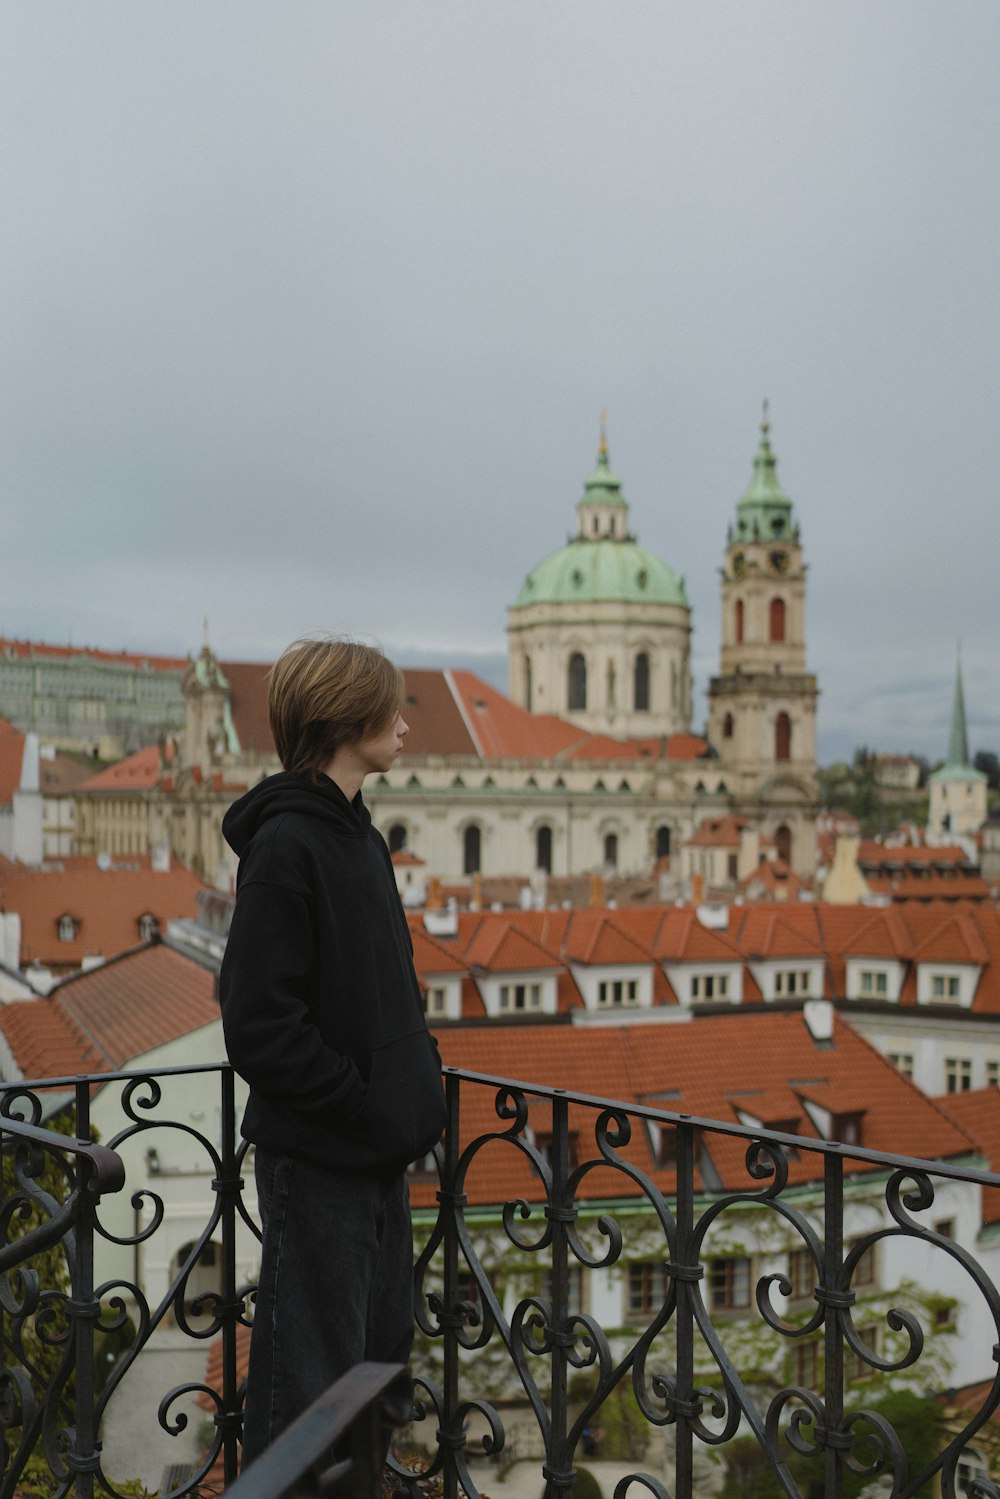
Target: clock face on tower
[[779, 561]]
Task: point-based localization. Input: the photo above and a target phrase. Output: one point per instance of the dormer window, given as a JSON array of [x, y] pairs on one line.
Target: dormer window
[[947, 983], [149, 927], [616, 992], [708, 986], [516, 998], [68, 926], [877, 979], [792, 983]]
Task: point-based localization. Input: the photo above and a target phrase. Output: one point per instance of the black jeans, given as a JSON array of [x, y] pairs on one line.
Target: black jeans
[[336, 1286]]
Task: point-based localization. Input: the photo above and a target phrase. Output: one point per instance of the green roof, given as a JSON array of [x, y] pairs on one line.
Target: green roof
[[602, 571], [957, 766], [765, 511], [602, 568], [602, 487]]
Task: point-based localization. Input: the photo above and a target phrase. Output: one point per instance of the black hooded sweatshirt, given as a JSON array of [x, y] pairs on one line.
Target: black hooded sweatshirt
[[320, 1003]]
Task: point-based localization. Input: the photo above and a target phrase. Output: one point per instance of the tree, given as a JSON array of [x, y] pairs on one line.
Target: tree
[[989, 763]]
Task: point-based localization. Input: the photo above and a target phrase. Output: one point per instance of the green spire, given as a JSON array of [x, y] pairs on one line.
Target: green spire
[[603, 487], [958, 739], [765, 511]]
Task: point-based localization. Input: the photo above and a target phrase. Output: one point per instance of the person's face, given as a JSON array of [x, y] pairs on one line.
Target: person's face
[[379, 751]]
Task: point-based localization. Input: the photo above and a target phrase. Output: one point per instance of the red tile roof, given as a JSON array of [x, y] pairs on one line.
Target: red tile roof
[[11, 757], [704, 1068], [977, 1112], [106, 905], [718, 832], [595, 938], [248, 704], [956, 940], [500, 947], [872, 852], [137, 772], [102, 1019], [663, 934], [27, 650]]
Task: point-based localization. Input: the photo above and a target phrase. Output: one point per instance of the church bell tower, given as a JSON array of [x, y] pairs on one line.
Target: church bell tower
[[762, 705]]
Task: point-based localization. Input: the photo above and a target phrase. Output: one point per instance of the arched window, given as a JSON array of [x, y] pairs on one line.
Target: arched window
[[527, 683], [577, 694], [777, 619], [471, 849], [611, 850], [739, 621], [782, 737], [543, 848], [663, 841], [727, 726], [783, 843], [640, 688], [397, 838]]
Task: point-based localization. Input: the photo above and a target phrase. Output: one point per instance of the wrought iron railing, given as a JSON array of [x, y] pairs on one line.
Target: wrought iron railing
[[574, 1251]]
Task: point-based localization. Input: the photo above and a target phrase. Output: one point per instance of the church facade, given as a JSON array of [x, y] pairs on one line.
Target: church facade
[[590, 762]]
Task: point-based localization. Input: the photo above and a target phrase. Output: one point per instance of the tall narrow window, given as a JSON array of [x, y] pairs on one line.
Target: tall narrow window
[[777, 619], [662, 841], [783, 843], [527, 683], [782, 737], [543, 849], [577, 694], [471, 849], [611, 850], [739, 621], [397, 838], [640, 692], [727, 726]]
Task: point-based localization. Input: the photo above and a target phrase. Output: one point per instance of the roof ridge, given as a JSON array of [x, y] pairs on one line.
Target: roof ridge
[[466, 717]]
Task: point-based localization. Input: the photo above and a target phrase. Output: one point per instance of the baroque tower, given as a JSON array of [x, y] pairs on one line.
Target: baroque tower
[[762, 705], [600, 631]]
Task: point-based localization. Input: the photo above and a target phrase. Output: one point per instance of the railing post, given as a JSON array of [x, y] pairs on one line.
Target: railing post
[[229, 1186], [83, 1454], [558, 1470], [832, 1297], [684, 1406], [451, 1436]]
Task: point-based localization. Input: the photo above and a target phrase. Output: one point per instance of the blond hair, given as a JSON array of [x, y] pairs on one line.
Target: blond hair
[[325, 693]]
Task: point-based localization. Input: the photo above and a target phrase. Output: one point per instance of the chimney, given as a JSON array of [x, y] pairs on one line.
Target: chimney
[[748, 857], [845, 885], [818, 1016], [596, 891]]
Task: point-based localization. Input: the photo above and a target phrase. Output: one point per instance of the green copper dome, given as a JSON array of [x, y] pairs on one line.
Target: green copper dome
[[602, 571], [603, 564], [765, 511]]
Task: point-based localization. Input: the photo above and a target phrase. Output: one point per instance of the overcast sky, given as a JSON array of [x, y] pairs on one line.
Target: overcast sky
[[309, 308]]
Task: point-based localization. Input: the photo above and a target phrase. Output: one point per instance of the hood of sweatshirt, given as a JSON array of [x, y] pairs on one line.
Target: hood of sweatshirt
[[283, 793]]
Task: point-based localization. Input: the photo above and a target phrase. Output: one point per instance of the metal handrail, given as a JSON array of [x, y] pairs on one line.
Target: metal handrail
[[351, 1413]]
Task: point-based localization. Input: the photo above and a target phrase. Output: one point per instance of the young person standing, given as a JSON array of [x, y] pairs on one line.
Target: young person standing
[[323, 1018]]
